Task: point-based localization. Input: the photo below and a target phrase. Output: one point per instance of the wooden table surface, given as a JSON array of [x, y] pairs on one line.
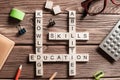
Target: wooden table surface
[[98, 26]]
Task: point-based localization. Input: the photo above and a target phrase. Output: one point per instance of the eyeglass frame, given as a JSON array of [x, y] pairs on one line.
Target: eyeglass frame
[[85, 4]]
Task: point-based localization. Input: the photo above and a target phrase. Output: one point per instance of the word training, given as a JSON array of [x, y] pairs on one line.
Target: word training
[[72, 36]]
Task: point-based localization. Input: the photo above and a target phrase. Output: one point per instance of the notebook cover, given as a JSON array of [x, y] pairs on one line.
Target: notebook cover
[[6, 45]]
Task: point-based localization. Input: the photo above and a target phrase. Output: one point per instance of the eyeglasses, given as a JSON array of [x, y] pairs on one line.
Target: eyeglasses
[[90, 5]]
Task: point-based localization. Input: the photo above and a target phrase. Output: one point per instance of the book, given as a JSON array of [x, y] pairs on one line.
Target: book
[[6, 45]]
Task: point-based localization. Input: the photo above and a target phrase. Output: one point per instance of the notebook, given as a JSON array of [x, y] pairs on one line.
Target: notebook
[[6, 45]]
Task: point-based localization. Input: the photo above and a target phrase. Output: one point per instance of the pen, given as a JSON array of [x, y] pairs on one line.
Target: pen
[[18, 72]]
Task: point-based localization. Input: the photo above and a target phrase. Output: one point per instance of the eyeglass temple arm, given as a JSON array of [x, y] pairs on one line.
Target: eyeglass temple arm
[[87, 3], [113, 1]]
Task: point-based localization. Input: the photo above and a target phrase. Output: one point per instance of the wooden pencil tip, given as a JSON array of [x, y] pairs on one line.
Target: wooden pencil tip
[[20, 67], [53, 76]]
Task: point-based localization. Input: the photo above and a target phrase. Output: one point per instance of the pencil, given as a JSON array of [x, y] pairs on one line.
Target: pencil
[[53, 76], [18, 73]]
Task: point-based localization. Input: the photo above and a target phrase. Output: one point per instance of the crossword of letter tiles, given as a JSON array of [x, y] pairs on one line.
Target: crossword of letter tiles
[[72, 36], [111, 43]]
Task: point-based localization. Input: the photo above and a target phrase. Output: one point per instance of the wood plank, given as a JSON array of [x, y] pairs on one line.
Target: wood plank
[[100, 24], [29, 6], [19, 55], [70, 79]]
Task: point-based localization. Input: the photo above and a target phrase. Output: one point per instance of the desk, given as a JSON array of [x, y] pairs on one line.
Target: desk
[[98, 27]]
